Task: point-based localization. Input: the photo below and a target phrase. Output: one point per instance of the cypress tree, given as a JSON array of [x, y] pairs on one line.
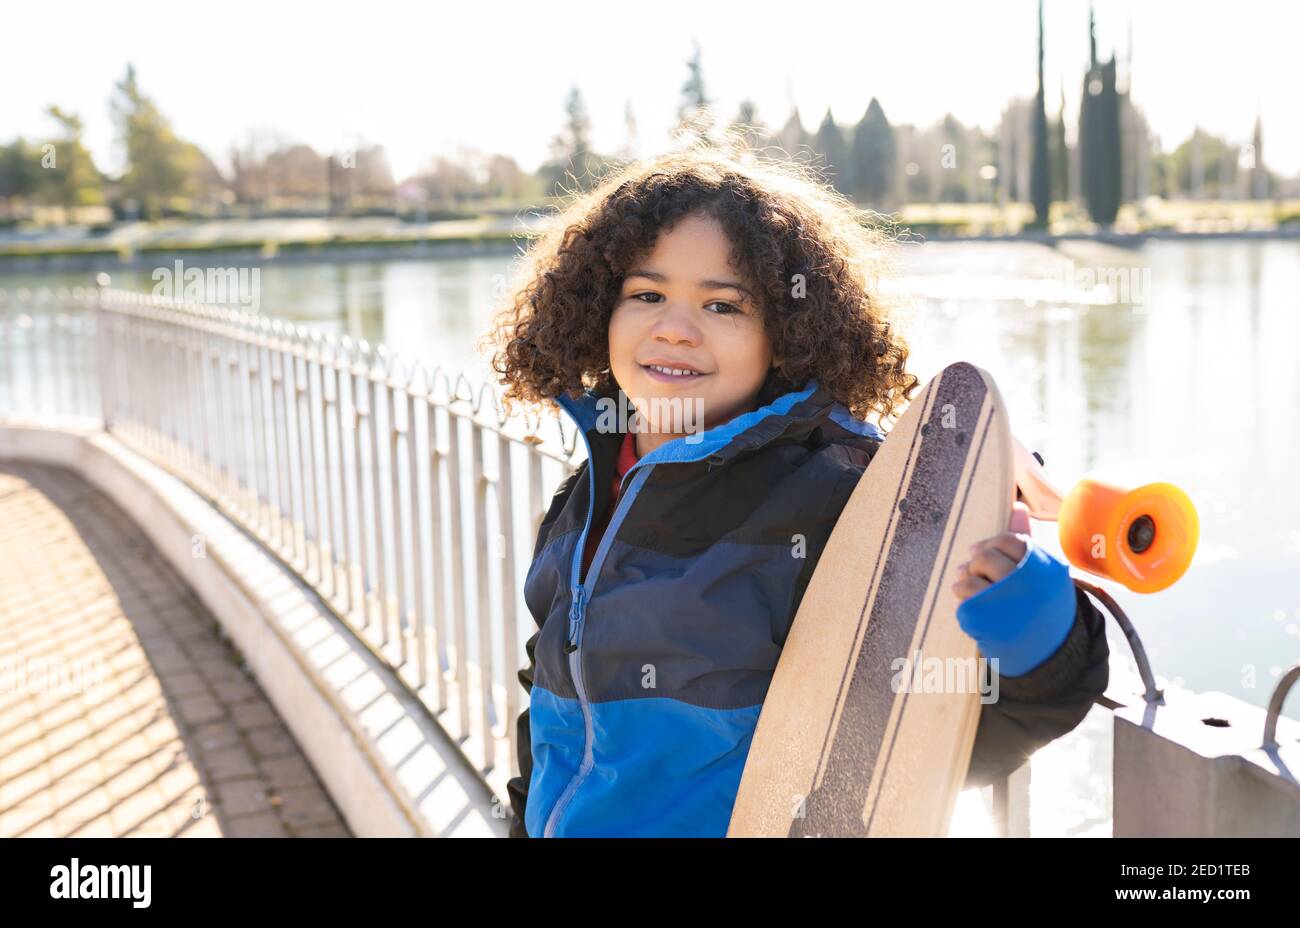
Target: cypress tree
[[830, 144], [695, 113], [1040, 180], [1099, 138], [875, 157], [1060, 157]]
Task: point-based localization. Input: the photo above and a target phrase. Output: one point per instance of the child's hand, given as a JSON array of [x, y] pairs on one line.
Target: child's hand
[[1015, 599], [994, 557]]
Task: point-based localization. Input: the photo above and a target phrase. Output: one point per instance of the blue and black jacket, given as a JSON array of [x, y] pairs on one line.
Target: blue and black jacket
[[646, 676]]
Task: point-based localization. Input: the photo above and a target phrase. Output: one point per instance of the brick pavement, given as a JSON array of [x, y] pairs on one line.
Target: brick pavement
[[123, 709]]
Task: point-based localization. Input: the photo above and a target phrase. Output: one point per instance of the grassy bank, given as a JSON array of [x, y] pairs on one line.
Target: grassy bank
[[287, 238]]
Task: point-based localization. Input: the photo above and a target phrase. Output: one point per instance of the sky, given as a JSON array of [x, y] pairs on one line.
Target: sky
[[424, 79]]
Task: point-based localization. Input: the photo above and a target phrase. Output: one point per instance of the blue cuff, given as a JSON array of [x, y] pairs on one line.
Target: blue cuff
[[1024, 617]]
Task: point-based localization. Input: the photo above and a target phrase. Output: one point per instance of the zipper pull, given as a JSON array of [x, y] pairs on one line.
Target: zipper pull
[[575, 619]]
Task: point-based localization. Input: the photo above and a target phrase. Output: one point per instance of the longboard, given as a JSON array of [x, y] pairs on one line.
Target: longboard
[[853, 739]]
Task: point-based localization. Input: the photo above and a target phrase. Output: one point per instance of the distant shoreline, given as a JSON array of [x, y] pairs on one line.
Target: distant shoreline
[[257, 254], [29, 257], [1123, 239]]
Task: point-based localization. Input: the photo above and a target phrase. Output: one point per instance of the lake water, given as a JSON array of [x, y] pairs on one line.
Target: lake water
[[1179, 357]]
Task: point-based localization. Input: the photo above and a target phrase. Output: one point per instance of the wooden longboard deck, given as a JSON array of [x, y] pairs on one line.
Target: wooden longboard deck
[[841, 748]]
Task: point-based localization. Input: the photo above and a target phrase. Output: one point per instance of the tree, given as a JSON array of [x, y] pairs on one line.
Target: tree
[[694, 112], [748, 127], [249, 179], [20, 170], [630, 147], [1040, 178], [70, 178], [1204, 165], [1099, 137], [505, 179], [298, 172], [373, 177], [575, 140], [875, 157], [358, 172], [447, 181], [792, 137], [1060, 156], [831, 146], [958, 160], [204, 181], [572, 160], [1259, 179], [158, 163]]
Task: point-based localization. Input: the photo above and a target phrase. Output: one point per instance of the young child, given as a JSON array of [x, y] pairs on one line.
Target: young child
[[666, 573]]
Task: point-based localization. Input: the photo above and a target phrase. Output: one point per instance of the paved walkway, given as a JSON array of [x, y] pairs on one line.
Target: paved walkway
[[123, 712]]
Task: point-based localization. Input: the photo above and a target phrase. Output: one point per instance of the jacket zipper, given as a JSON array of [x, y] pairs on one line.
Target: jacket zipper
[[580, 595]]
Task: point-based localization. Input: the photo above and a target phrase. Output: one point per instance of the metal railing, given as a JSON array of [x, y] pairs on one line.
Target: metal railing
[[47, 353], [405, 498]]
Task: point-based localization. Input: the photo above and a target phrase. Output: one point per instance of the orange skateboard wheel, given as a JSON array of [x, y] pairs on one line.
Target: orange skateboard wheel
[[1142, 537]]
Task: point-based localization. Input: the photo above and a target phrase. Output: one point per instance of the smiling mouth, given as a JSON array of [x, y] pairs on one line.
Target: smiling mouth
[[666, 373]]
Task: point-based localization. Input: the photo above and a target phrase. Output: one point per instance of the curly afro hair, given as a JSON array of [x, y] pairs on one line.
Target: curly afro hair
[[810, 257]]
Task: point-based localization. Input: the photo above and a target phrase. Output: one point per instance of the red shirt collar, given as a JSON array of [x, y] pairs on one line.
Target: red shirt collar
[[627, 453]]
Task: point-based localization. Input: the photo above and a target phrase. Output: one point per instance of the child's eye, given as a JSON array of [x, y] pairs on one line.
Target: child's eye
[[656, 297]]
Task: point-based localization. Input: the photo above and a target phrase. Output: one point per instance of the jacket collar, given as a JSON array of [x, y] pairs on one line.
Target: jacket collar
[[797, 412]]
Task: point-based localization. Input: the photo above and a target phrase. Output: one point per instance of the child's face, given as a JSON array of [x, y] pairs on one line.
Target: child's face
[[683, 303]]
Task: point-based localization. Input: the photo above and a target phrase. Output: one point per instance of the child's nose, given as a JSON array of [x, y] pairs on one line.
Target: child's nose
[[675, 323]]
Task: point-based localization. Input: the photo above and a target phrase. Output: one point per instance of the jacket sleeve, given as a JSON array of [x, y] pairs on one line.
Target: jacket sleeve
[[517, 787], [1045, 703]]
